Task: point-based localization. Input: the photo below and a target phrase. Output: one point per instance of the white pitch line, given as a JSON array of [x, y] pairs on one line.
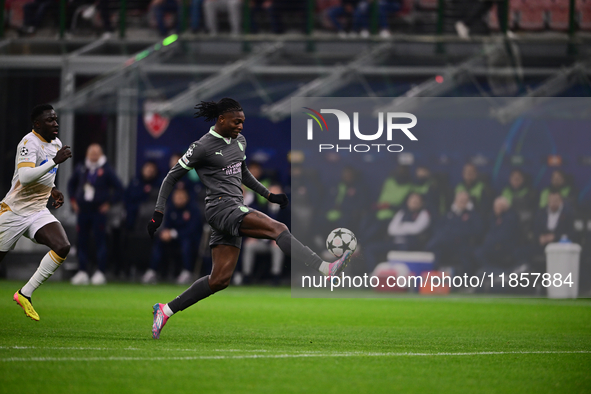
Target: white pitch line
[[126, 348], [271, 356]]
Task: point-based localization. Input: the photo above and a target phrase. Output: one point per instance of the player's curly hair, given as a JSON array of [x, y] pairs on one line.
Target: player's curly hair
[[210, 110], [38, 110]]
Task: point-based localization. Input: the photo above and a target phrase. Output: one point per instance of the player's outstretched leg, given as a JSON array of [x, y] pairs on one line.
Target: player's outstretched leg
[[259, 225], [26, 304], [54, 236], [49, 264], [224, 259], [160, 319]]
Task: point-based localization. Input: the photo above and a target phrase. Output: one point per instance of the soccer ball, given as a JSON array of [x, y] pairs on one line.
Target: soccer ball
[[340, 240]]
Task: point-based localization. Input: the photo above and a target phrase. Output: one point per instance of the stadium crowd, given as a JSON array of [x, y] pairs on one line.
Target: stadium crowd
[[469, 226], [347, 18]]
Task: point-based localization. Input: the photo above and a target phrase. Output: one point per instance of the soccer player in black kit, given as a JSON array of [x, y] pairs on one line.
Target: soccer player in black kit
[[219, 159]]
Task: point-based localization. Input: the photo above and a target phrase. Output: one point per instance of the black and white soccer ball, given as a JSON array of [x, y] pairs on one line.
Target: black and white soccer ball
[[341, 240]]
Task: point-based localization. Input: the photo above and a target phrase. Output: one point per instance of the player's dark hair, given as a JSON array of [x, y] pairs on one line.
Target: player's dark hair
[[38, 110], [210, 110]]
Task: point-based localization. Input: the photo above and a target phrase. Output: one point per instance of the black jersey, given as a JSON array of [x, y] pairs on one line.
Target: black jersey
[[220, 164]]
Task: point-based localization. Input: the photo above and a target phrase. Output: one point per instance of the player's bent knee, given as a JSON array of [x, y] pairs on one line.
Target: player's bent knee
[[63, 250], [279, 228], [220, 282]]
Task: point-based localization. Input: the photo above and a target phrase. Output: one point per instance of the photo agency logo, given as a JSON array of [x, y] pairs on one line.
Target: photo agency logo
[[391, 124]]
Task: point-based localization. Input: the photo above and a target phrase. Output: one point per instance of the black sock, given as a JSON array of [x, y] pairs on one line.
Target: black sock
[[291, 246], [28, 298], [198, 291]]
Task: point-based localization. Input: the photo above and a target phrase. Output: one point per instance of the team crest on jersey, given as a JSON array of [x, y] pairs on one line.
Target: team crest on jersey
[[24, 151]]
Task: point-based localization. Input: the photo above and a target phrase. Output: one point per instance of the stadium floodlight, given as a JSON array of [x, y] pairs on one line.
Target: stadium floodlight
[[325, 85], [553, 86], [224, 79], [116, 78]]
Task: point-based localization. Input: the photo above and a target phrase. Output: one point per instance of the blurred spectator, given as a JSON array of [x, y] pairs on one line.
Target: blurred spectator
[[161, 8], [213, 7], [252, 246], [196, 11], [273, 10], [345, 10], [93, 187], [558, 184], [395, 190], [385, 8], [475, 14], [521, 197], [35, 11], [501, 238], [33, 14], [142, 190], [410, 225], [553, 222], [89, 12], [431, 190], [455, 236], [346, 201], [140, 198], [181, 231], [408, 230], [306, 191], [479, 192]]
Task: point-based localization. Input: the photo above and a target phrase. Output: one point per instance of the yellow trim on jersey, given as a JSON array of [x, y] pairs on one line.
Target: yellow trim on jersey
[[56, 259], [38, 136], [4, 208], [25, 164]]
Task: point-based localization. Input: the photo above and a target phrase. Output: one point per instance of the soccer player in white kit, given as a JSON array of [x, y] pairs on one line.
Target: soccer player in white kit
[[23, 211]]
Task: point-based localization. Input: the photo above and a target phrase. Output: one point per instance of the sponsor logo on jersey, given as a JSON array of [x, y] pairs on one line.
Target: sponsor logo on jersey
[[219, 153], [232, 169], [53, 170]]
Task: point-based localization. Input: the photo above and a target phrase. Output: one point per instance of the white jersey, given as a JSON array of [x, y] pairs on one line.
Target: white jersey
[[32, 151]]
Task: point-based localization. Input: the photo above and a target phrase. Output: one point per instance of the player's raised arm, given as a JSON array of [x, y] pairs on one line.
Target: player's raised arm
[[28, 173]]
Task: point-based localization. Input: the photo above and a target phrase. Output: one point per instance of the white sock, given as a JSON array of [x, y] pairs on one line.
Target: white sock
[[167, 311], [49, 263], [324, 267]]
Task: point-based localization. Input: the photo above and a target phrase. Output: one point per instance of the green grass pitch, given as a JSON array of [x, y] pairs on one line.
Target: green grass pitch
[[260, 340]]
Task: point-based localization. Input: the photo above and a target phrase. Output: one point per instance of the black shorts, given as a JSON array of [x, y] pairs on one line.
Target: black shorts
[[225, 215]]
